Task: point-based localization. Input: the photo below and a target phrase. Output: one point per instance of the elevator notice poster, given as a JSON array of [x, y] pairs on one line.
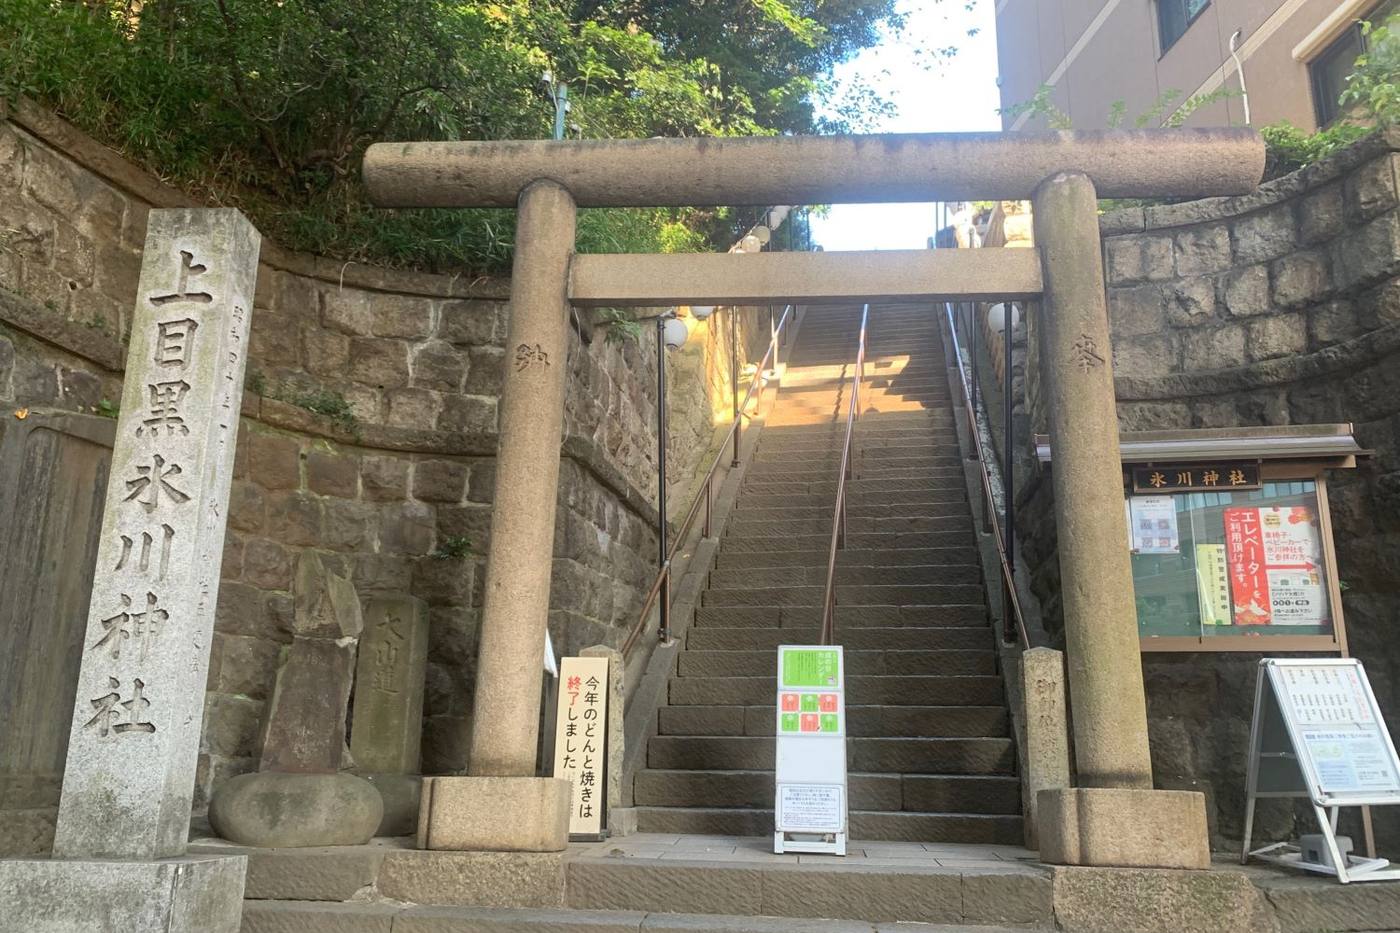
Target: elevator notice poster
[[1274, 555], [810, 806]]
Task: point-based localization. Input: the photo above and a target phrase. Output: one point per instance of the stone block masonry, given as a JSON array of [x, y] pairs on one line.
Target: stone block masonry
[[368, 437]]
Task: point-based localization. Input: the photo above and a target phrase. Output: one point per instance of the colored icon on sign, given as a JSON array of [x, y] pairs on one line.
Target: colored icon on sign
[[828, 702], [789, 702], [809, 702], [789, 722], [809, 722], [829, 722]]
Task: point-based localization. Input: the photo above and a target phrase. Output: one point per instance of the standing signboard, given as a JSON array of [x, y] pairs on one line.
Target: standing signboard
[[1318, 733], [810, 802], [580, 742]]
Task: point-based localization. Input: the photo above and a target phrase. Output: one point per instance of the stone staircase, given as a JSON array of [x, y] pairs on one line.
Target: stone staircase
[[930, 755]]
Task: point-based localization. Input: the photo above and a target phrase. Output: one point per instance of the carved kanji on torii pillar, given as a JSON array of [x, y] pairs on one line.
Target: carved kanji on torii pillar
[[1064, 173]]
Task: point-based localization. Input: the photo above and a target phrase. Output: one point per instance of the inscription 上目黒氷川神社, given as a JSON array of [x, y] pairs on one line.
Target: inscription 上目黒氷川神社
[[134, 739]]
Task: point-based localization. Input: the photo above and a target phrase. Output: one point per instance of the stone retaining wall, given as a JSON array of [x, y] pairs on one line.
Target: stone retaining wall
[[1282, 307], [395, 488]]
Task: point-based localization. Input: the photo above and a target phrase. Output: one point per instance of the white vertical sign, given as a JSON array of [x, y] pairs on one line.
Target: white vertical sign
[[809, 810], [580, 741]]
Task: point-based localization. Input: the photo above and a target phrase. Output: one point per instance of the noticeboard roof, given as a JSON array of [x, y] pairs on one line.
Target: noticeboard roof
[[1329, 442]]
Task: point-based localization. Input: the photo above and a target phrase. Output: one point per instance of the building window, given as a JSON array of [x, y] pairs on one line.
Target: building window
[[1174, 17], [1330, 70]]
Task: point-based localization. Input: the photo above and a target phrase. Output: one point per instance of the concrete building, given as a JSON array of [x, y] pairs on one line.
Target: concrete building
[[1296, 55]]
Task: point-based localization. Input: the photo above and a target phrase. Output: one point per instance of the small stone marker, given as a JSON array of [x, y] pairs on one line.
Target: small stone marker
[[301, 797], [134, 739], [388, 721], [124, 812], [304, 731]]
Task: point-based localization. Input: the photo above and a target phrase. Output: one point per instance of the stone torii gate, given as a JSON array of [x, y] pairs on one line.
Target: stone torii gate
[[1114, 817]]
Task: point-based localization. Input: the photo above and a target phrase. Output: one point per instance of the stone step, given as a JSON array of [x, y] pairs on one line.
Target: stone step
[[823, 469], [855, 540], [848, 558], [978, 755], [698, 663], [719, 638], [940, 503], [858, 500], [849, 594], [868, 574], [861, 721], [864, 824], [741, 526], [314, 917], [865, 791], [925, 690], [848, 618], [813, 452], [816, 508], [878, 421], [949, 478], [908, 434]]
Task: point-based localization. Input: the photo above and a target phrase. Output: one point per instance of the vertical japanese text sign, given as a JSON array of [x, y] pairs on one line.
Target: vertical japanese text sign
[[134, 739], [580, 741]]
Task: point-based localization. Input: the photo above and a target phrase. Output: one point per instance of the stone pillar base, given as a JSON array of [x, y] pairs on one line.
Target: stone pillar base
[[494, 814], [1124, 828], [191, 894]]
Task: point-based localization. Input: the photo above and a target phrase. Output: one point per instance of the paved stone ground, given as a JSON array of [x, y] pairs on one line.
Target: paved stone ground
[[673, 847]]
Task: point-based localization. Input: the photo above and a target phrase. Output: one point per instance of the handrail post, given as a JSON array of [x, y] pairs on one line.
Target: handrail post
[[734, 378], [663, 631], [709, 505]]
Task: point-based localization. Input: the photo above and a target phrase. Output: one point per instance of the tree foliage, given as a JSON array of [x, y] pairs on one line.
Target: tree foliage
[[1374, 86], [270, 105]]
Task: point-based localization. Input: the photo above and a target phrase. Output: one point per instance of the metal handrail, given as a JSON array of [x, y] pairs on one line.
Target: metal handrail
[[1008, 577], [661, 587], [838, 515]]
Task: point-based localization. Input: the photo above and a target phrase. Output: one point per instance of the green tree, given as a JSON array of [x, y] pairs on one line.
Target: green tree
[[269, 105]]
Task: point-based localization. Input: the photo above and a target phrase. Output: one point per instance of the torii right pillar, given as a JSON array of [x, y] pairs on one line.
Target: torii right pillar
[[1114, 817]]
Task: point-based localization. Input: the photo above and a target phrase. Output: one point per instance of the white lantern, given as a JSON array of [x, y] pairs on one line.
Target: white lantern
[[674, 333], [750, 244], [996, 318], [700, 312]]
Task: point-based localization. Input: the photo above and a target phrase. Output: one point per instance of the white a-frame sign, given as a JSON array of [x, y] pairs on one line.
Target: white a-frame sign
[[1318, 733]]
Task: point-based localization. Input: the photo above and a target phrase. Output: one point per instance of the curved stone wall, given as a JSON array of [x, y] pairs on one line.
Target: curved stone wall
[[368, 434], [1282, 307]]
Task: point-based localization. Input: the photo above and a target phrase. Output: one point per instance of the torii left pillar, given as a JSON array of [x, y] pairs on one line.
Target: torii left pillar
[[502, 805]]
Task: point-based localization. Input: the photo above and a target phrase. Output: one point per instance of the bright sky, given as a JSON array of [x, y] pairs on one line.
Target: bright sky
[[952, 96]]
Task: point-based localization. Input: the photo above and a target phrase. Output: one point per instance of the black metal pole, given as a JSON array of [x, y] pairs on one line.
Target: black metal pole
[[1008, 482], [664, 630], [972, 339], [734, 378]]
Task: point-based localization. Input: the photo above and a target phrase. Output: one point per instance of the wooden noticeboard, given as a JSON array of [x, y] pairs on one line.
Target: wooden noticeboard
[[1318, 733]]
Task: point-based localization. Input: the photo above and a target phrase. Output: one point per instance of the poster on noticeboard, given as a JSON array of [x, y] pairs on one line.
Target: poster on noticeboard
[[1274, 556]]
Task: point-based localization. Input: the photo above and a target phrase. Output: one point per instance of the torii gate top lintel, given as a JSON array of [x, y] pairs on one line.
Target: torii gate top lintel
[[816, 169]]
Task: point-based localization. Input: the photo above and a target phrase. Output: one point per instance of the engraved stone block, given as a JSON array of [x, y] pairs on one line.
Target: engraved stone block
[[134, 735], [388, 721]]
